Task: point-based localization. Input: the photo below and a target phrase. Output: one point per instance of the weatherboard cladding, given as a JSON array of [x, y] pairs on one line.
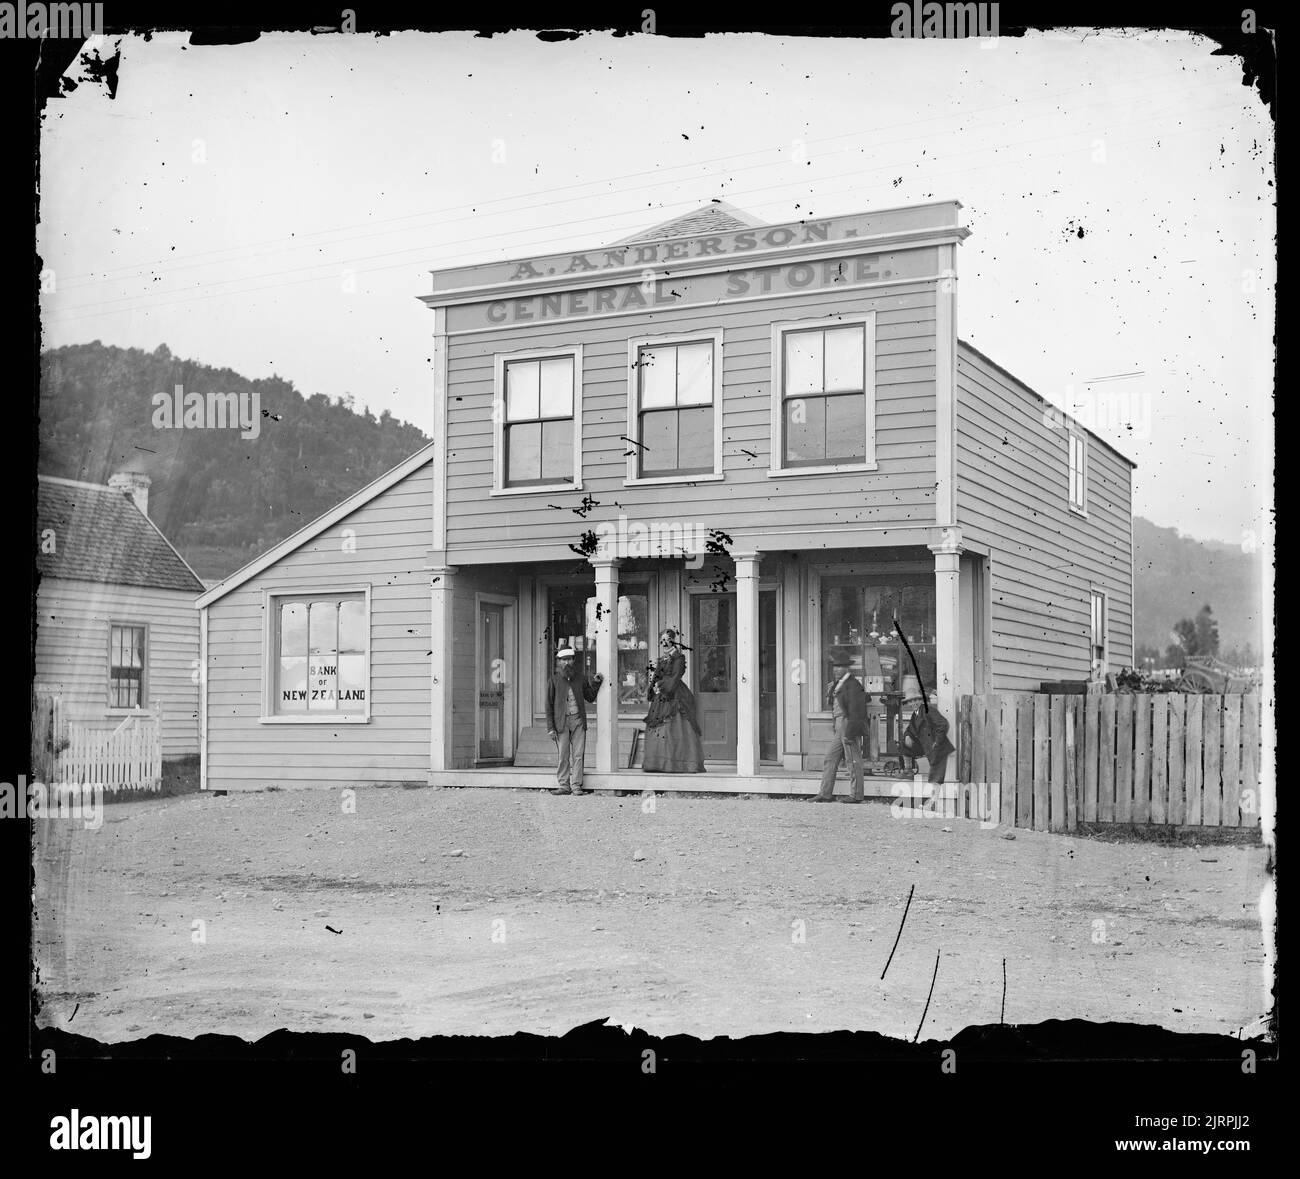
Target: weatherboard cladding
[[385, 543], [1012, 495], [101, 536], [899, 492], [72, 653]]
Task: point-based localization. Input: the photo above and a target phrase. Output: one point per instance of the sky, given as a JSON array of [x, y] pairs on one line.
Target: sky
[[275, 207]]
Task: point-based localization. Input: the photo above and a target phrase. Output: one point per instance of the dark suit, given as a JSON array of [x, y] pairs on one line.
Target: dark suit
[[848, 701], [570, 731], [558, 693], [927, 736]]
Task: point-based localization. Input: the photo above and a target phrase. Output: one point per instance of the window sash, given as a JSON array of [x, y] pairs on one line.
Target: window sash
[[320, 655], [128, 658], [675, 408], [659, 457], [846, 373], [1078, 472], [537, 431], [539, 390], [1097, 646], [537, 453], [823, 380], [818, 421]]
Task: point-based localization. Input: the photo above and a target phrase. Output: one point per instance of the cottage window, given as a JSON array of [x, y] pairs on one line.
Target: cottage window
[[824, 396], [322, 647], [675, 408], [1100, 621], [1078, 472], [127, 660], [857, 620]]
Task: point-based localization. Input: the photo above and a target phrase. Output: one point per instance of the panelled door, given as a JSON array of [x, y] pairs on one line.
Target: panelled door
[[713, 639], [492, 681]]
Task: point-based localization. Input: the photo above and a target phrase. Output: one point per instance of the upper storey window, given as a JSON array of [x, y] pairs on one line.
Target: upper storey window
[[675, 408], [1078, 472], [538, 421], [824, 395]]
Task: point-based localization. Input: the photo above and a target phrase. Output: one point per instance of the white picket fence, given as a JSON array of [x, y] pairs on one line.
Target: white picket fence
[[127, 758]]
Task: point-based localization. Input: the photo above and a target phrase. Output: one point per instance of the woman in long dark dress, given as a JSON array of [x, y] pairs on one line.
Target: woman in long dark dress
[[672, 729]]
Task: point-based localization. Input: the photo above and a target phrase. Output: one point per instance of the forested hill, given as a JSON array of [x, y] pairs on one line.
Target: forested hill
[[1175, 576], [219, 498]]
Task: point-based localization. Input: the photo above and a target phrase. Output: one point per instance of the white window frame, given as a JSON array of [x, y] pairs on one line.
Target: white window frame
[[271, 656], [777, 469], [125, 709], [1076, 438], [499, 362], [1104, 595], [634, 346]]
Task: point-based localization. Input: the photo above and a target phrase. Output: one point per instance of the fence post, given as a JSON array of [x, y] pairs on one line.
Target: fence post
[[1007, 759], [1160, 758], [1025, 762], [1193, 773], [1212, 735], [1071, 764], [1123, 759], [1177, 799], [1091, 743], [1141, 758], [1041, 713], [1248, 794], [1056, 803]]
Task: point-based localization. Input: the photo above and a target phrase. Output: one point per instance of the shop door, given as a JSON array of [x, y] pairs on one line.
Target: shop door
[[491, 681], [713, 637]]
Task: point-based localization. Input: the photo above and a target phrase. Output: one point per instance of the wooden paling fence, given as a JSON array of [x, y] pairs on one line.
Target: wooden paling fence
[[68, 754], [1053, 762]]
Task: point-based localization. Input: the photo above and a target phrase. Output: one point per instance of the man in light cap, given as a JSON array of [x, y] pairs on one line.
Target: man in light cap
[[566, 718]]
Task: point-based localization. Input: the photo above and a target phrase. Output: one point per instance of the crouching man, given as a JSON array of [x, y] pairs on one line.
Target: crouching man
[[566, 716]]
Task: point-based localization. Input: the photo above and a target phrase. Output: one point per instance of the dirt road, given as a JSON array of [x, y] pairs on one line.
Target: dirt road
[[723, 916]]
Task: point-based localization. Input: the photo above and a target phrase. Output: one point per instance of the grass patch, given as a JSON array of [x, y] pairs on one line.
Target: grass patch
[[1170, 836]]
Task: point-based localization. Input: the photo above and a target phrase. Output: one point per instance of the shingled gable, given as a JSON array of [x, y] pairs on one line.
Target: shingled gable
[[100, 535], [716, 217]]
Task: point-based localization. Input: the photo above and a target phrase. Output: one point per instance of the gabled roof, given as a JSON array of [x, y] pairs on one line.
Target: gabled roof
[[1043, 401], [715, 217], [318, 525], [100, 535]]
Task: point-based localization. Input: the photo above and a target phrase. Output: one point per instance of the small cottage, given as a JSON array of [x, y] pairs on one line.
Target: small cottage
[[117, 634]]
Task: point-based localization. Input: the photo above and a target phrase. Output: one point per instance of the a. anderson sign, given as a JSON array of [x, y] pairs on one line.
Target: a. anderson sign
[[676, 257], [655, 294]]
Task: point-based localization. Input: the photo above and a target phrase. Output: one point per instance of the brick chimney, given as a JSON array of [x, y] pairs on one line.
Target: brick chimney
[[135, 484]]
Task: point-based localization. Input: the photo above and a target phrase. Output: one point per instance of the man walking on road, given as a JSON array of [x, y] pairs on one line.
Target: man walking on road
[[566, 719], [848, 701]]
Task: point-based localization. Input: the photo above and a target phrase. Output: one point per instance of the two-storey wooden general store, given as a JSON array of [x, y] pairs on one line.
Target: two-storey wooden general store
[[767, 437]]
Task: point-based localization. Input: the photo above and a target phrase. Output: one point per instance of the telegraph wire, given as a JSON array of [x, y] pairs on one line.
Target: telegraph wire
[[530, 249]]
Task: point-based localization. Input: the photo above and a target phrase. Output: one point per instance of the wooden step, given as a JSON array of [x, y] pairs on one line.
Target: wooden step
[[535, 748]]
